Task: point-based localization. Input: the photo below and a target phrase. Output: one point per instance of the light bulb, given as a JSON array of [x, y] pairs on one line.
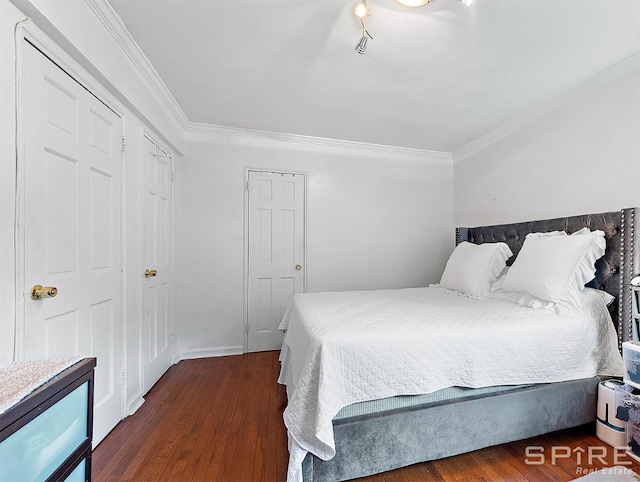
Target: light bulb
[[467, 3], [360, 10]]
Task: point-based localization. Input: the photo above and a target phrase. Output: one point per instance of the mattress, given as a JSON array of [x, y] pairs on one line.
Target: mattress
[[446, 395], [336, 352]]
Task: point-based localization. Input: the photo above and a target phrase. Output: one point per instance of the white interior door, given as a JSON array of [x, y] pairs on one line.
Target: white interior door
[[276, 253], [157, 289], [72, 228]]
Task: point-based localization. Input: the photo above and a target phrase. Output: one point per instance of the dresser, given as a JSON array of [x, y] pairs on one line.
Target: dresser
[[47, 434]]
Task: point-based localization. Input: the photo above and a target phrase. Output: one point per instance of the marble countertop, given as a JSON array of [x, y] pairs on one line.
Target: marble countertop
[[19, 379]]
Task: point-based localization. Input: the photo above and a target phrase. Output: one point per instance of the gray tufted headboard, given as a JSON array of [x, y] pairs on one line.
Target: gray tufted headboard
[[614, 270]]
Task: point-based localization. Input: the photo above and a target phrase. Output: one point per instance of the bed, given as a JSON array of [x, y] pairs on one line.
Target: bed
[[382, 416]]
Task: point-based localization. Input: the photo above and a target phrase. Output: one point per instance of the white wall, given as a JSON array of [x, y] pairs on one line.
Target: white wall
[[578, 155], [375, 219]]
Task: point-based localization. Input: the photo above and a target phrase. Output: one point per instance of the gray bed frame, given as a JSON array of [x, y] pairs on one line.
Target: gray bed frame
[[382, 441]]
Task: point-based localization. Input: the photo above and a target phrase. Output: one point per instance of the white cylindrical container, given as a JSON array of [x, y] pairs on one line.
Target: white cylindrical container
[[609, 429]]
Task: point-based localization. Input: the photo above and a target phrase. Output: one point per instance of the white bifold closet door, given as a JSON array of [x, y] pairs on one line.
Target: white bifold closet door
[[71, 192]]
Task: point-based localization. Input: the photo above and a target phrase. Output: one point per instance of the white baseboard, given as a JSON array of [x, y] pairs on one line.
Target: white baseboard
[[210, 352], [134, 404]]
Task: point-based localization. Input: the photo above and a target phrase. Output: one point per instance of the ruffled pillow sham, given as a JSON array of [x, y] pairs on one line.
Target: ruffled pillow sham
[[525, 299], [553, 268], [472, 268]]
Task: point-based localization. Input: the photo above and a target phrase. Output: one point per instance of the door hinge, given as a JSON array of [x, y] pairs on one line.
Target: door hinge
[[124, 377], [172, 175], [171, 339], [246, 328], [247, 185], [124, 144]]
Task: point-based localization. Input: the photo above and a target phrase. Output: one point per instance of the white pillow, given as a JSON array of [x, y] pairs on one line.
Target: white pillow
[[606, 298], [556, 268], [473, 267], [526, 299], [549, 233]]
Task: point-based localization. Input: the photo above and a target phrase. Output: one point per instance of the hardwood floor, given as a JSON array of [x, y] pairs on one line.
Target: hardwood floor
[[220, 419]]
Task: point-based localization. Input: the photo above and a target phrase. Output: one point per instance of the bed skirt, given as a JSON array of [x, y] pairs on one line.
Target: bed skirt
[[378, 442]]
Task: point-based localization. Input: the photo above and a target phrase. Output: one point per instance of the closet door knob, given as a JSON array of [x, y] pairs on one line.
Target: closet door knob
[[39, 292]]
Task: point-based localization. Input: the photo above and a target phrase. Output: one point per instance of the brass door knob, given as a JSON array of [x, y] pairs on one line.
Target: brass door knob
[[150, 273], [39, 292], [298, 267]]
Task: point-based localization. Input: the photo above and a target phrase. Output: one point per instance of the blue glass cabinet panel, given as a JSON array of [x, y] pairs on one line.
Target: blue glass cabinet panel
[[38, 448]]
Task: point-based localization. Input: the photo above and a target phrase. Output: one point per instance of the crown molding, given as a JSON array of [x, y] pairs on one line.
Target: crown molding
[[197, 131], [114, 25], [495, 135], [112, 22], [105, 12], [614, 71]]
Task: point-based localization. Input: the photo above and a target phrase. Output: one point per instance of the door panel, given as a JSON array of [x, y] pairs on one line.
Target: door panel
[[157, 292], [59, 215], [72, 228], [101, 220], [276, 247]]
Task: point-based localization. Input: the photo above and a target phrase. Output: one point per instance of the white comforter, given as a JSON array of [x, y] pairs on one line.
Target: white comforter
[[346, 347]]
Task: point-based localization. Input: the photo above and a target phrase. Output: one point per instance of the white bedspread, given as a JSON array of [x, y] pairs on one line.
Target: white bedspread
[[346, 347]]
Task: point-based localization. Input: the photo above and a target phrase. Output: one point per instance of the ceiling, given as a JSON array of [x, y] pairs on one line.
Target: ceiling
[[435, 77]]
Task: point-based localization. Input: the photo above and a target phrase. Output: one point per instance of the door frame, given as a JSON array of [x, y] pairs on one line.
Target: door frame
[[26, 33], [245, 295]]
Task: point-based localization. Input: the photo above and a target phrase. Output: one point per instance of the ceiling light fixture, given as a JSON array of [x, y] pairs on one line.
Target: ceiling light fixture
[[360, 11], [414, 3], [420, 3]]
